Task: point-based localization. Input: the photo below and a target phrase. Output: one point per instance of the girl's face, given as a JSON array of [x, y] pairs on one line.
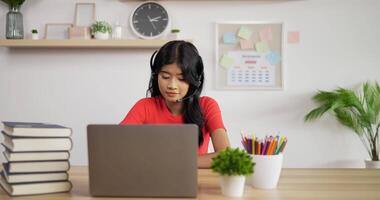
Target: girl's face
[[171, 83]]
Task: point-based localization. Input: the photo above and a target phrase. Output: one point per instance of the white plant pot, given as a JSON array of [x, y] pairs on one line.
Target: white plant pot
[[102, 36], [173, 36], [34, 36], [372, 164], [232, 186]]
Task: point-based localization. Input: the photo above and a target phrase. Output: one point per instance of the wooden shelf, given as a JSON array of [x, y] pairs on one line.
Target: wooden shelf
[[137, 43]]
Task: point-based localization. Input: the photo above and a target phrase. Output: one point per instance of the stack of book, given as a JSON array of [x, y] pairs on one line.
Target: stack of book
[[37, 158]]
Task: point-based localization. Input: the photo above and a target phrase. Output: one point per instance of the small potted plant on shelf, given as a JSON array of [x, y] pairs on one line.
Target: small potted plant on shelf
[[101, 30], [359, 111], [233, 165], [34, 34], [174, 34]]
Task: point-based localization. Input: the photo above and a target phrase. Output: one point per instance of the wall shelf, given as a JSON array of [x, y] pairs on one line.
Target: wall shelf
[[135, 43]]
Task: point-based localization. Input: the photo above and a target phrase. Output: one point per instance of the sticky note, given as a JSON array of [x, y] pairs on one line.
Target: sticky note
[[244, 33], [293, 37], [229, 38], [273, 58], [247, 44], [266, 34], [262, 47], [226, 61]]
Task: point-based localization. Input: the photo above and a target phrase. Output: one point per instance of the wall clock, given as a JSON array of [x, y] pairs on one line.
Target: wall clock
[[149, 20]]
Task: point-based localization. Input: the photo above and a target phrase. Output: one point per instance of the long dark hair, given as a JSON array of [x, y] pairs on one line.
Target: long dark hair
[[186, 56]]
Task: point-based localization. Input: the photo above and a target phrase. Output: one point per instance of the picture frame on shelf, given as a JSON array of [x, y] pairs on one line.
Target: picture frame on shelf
[[85, 14], [57, 31]]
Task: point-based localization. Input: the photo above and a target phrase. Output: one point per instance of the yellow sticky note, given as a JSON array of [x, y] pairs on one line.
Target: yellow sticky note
[[262, 47], [226, 61], [244, 33]]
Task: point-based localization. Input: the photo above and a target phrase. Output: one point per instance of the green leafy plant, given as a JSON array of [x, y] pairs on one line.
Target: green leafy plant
[[34, 31], [101, 26], [175, 30], [358, 111], [232, 162], [14, 3]]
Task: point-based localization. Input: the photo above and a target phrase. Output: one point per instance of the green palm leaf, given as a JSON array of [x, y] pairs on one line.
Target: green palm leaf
[[357, 111]]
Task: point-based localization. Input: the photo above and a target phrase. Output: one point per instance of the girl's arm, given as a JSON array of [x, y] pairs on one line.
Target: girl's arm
[[220, 141]]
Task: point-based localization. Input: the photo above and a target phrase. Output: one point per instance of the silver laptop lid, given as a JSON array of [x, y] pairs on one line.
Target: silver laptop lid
[[143, 160]]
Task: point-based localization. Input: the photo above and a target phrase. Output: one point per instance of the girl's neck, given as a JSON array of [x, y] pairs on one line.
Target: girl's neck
[[175, 108]]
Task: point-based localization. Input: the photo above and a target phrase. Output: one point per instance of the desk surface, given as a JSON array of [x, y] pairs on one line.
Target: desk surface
[[302, 184]]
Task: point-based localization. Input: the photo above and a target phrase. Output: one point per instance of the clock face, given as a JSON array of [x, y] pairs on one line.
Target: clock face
[[149, 20]]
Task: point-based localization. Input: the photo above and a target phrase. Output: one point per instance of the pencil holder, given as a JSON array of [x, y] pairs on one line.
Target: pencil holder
[[267, 171]]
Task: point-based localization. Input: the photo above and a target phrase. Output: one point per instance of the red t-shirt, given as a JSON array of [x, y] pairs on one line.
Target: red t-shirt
[[153, 110]]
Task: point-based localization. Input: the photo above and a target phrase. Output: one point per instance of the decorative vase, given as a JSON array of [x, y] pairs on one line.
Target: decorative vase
[[117, 33], [102, 36], [370, 164], [172, 36], [232, 186], [35, 36], [14, 23]]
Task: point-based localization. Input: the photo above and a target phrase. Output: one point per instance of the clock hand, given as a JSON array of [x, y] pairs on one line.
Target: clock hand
[[155, 19], [150, 20]]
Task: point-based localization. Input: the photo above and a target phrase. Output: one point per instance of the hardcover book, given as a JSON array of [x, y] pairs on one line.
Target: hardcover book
[[31, 129], [35, 156], [19, 189], [34, 177], [20, 144], [34, 167]]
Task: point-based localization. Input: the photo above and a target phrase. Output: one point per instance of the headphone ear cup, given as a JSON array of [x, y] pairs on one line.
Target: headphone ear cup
[[152, 59]]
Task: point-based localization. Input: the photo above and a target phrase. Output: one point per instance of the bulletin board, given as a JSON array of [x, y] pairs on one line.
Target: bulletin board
[[249, 56]]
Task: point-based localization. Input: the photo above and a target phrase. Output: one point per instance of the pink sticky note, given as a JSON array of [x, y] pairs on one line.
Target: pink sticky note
[[293, 37], [246, 44], [266, 34]]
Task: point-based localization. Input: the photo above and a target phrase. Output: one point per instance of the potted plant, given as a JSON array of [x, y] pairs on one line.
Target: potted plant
[[174, 34], [34, 34], [359, 111], [14, 20], [101, 30], [233, 165]]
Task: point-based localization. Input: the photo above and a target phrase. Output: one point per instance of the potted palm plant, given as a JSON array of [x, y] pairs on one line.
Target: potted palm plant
[[359, 111], [14, 20], [233, 165]]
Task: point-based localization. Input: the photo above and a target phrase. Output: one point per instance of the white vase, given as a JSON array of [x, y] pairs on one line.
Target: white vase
[[102, 36], [232, 186], [370, 164], [173, 36], [117, 33], [34, 36]]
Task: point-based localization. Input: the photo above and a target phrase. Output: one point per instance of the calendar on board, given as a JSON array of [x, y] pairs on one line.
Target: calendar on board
[[249, 55]]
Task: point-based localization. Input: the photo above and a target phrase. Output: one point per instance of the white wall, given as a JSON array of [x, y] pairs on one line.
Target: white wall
[[75, 87]]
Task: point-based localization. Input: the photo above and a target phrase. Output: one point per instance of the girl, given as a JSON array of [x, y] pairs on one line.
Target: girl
[[175, 86]]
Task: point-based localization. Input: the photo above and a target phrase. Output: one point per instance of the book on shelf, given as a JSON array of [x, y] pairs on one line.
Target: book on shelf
[[35, 167], [34, 177], [19, 189], [31, 129], [35, 156], [20, 144]]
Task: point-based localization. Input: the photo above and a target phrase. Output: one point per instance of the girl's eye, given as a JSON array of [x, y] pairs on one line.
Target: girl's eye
[[165, 77]]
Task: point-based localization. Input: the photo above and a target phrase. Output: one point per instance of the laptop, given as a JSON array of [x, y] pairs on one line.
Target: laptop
[[143, 160]]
